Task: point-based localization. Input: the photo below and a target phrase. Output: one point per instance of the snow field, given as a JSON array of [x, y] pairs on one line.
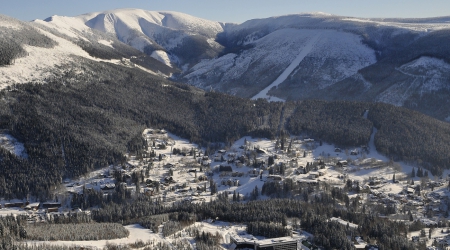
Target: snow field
[[162, 57], [306, 50], [137, 232], [12, 145]]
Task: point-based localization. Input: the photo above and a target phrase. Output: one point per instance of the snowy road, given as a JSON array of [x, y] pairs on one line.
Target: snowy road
[[294, 64]]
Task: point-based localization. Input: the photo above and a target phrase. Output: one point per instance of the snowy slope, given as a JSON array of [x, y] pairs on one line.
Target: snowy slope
[[52, 47], [340, 64], [423, 75], [390, 60], [146, 31], [40, 62], [111, 21], [335, 55], [305, 51]]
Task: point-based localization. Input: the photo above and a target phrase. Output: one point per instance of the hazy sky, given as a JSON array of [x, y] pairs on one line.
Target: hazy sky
[[230, 10]]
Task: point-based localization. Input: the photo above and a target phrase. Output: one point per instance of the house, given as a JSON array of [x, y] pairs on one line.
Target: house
[[51, 204], [342, 163], [168, 165], [250, 242], [52, 209], [260, 151], [107, 188], [322, 172], [274, 177], [202, 178], [354, 152], [254, 173], [222, 151], [237, 174], [149, 191], [337, 150], [168, 179], [300, 170], [14, 204], [313, 175]]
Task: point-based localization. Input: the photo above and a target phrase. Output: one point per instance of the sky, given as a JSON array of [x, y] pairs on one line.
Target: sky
[[236, 11]]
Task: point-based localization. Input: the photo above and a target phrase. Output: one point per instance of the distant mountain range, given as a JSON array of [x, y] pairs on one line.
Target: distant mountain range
[[404, 62]]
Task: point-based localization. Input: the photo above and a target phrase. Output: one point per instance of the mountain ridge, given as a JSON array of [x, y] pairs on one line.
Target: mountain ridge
[[355, 58]]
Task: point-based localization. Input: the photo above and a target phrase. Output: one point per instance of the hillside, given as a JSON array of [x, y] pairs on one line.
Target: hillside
[[35, 52], [76, 103], [176, 39], [396, 61]]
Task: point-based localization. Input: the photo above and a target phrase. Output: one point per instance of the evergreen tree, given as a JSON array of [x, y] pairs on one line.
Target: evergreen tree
[[419, 172], [413, 173], [411, 218]]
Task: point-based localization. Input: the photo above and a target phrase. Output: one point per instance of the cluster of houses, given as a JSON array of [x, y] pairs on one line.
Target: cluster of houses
[[34, 206]]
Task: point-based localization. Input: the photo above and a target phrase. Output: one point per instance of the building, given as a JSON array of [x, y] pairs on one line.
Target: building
[[283, 243], [314, 175], [342, 163]]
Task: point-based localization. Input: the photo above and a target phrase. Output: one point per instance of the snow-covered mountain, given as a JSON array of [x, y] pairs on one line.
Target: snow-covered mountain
[[398, 61], [293, 57], [173, 38], [39, 51]]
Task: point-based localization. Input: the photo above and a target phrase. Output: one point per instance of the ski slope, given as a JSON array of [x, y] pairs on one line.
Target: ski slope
[[305, 51]]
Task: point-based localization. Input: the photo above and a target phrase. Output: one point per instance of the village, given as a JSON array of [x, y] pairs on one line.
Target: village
[[175, 171]]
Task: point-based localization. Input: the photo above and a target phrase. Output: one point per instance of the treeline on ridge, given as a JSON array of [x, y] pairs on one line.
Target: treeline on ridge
[[13, 39]]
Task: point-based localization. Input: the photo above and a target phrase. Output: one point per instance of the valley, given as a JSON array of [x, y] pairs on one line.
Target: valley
[[136, 129], [173, 171]]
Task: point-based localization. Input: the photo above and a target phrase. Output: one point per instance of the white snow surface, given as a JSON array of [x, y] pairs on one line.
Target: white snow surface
[[137, 232], [106, 43], [431, 68], [279, 50], [12, 145], [10, 23], [308, 47], [40, 62], [428, 74], [106, 21], [161, 56], [66, 25], [140, 27], [420, 25], [323, 20], [39, 65]]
